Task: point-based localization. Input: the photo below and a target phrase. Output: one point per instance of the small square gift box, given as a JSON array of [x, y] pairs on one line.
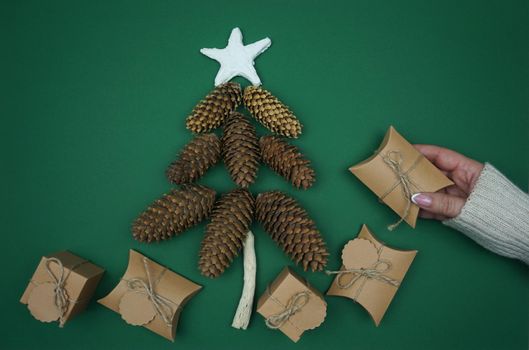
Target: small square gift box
[[371, 273], [61, 287], [150, 295], [291, 305], [395, 172]]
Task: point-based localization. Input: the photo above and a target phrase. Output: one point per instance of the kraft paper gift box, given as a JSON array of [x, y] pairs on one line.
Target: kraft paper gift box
[[395, 172], [61, 287], [371, 273], [150, 295], [291, 305]]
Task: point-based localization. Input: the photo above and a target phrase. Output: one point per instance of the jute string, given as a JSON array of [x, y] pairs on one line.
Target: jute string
[[393, 160], [60, 295], [373, 272], [162, 305], [295, 304]]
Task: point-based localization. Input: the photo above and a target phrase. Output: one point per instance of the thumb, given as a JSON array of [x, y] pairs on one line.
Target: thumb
[[439, 203]]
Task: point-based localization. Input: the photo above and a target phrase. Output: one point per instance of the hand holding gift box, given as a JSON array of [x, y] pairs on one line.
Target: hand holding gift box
[[61, 287], [371, 273], [150, 295], [291, 305], [395, 172]]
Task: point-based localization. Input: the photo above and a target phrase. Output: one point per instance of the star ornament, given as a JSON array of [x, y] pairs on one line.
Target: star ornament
[[237, 59]]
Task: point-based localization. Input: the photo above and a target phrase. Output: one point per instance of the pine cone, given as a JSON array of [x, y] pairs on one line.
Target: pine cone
[[287, 161], [273, 114], [290, 226], [225, 234], [240, 150], [195, 159], [210, 113], [174, 213]]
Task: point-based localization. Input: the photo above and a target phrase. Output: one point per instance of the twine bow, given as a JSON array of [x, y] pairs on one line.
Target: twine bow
[[374, 272], [296, 303], [393, 160], [161, 305], [61, 299]]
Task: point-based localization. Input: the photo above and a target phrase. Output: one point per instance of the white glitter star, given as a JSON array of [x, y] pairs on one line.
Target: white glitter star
[[236, 59]]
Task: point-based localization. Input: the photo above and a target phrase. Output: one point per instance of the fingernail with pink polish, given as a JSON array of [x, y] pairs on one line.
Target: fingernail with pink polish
[[421, 200]]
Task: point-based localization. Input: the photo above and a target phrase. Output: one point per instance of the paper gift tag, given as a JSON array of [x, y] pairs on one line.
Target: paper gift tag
[[376, 292], [41, 303], [359, 253], [136, 309], [278, 298], [171, 290], [405, 162]]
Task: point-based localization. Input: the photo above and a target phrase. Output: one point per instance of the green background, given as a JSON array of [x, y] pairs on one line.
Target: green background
[[94, 99]]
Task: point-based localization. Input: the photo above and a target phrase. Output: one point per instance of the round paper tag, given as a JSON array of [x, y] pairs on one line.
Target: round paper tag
[[41, 303], [359, 253], [136, 309]]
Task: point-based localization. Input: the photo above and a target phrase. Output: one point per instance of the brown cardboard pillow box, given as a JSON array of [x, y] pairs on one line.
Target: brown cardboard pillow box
[[371, 273], [150, 295], [61, 287], [395, 172], [291, 305]]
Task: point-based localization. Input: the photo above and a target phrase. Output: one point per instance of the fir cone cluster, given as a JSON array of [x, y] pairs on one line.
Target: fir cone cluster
[[174, 213], [225, 234], [290, 226], [287, 161], [271, 112], [231, 216], [240, 150], [195, 159], [211, 112]]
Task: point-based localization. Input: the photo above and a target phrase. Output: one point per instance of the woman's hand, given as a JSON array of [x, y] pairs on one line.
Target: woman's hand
[[448, 202]]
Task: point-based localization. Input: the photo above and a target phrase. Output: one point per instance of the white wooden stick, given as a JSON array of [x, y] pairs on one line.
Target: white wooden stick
[[244, 310]]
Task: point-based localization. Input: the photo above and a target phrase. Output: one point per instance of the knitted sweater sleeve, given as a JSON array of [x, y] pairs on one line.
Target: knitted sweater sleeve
[[496, 215]]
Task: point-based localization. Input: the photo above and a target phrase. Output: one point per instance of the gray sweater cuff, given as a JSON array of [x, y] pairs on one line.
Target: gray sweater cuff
[[496, 215]]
